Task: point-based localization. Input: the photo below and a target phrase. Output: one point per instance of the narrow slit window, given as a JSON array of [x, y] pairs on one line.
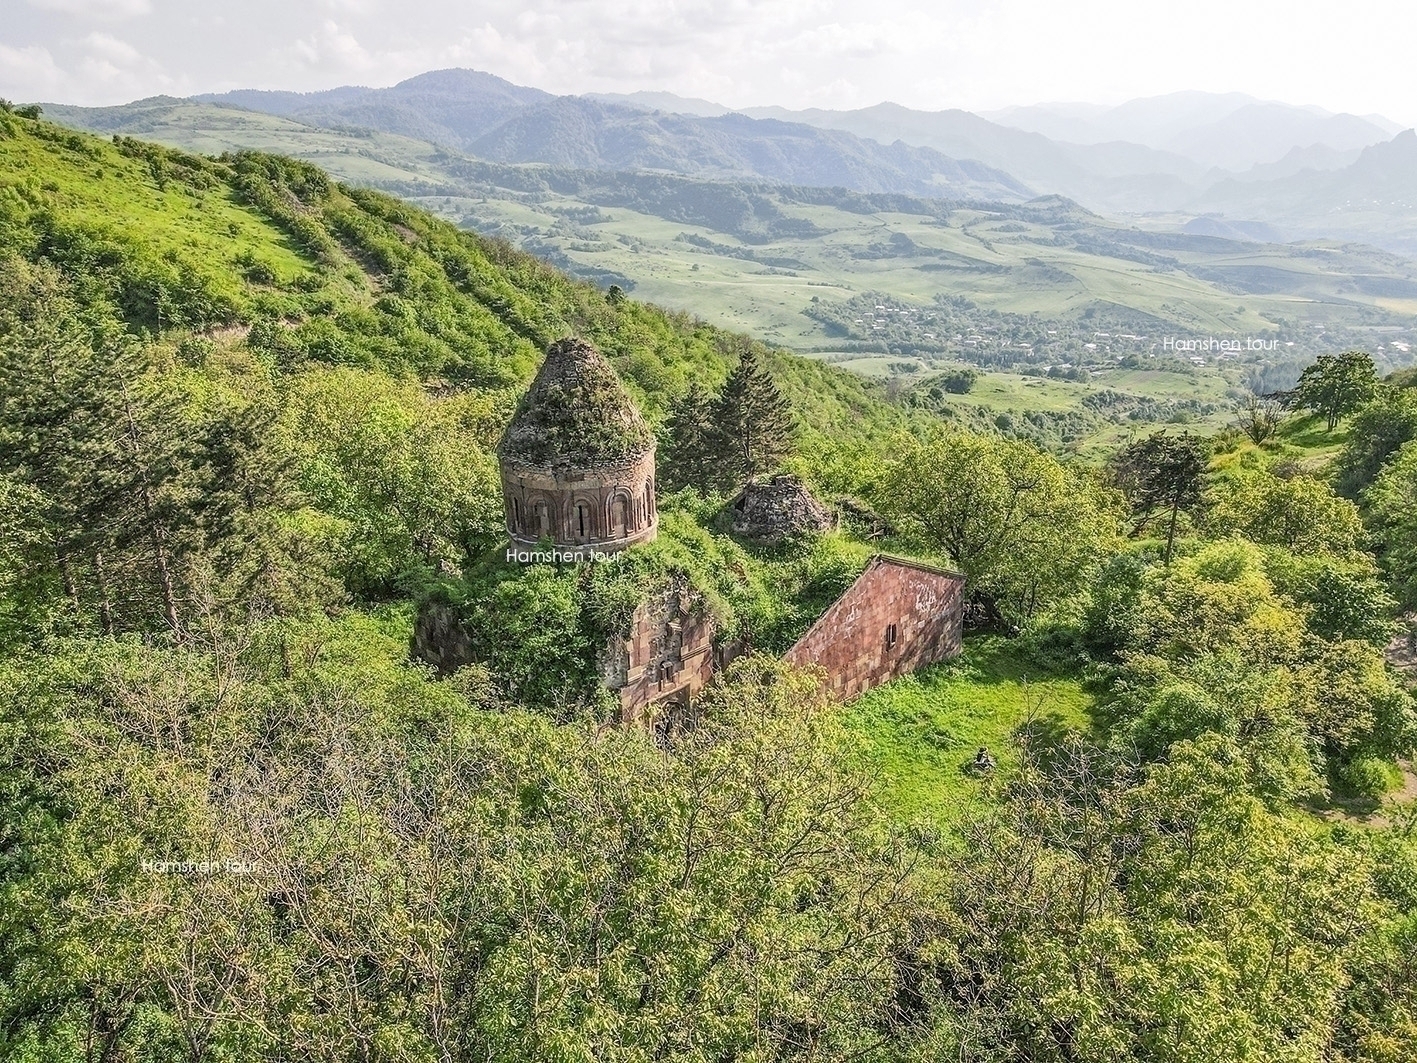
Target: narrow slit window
[[891, 635]]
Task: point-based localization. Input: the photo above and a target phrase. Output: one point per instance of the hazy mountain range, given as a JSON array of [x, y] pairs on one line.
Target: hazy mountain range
[[493, 119], [1228, 130], [1223, 163]]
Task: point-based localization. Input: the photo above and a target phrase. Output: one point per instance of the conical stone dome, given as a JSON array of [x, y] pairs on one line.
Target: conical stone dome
[[577, 459], [576, 414]]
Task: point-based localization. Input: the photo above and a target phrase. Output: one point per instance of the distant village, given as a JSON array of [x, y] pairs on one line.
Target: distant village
[[955, 329]]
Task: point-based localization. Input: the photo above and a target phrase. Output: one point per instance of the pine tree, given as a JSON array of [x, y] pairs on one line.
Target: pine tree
[[96, 445], [690, 457], [1162, 475], [752, 421]]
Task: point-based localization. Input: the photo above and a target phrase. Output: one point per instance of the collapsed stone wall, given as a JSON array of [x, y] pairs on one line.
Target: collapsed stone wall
[[439, 638], [666, 656], [897, 616], [778, 508]]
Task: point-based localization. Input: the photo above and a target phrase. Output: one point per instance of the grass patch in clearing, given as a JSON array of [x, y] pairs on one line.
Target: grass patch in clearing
[[922, 731]]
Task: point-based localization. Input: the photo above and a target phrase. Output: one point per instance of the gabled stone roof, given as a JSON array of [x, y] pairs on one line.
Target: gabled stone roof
[[576, 414]]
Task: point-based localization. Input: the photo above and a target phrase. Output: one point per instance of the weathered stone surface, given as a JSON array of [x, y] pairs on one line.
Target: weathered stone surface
[[576, 414], [777, 508], [606, 509], [440, 639], [898, 616], [665, 658], [577, 460]]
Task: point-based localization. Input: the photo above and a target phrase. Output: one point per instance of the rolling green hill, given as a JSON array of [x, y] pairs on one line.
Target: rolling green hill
[[319, 271], [753, 255], [1008, 287]]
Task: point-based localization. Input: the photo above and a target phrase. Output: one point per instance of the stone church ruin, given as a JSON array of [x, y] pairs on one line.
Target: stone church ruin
[[578, 483], [577, 459]]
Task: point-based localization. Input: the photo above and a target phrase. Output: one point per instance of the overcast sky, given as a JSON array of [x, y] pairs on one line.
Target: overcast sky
[[1354, 56]]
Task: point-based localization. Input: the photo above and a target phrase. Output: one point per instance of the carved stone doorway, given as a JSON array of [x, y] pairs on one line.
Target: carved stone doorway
[[669, 716]]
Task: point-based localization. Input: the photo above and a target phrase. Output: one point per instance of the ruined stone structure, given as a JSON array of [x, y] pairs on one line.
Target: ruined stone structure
[[577, 459], [898, 616], [577, 464], [668, 656], [777, 508]]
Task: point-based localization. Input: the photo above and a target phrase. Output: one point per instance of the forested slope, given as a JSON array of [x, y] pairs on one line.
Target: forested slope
[[260, 302], [246, 425]]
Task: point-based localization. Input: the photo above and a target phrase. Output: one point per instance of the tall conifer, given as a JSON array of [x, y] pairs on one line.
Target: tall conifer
[[752, 421], [690, 457]]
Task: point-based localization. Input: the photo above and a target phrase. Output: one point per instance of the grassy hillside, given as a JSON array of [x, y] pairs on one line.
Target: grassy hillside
[[1045, 260], [268, 252], [1010, 288]]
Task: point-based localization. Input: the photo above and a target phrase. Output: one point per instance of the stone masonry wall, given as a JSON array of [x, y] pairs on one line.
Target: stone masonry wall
[[852, 641], [608, 508], [668, 656]]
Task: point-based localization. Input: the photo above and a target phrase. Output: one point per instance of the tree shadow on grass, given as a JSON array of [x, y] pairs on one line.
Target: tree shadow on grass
[[1042, 737]]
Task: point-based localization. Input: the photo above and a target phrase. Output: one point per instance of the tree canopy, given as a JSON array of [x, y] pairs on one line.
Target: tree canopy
[[248, 421], [1337, 385]]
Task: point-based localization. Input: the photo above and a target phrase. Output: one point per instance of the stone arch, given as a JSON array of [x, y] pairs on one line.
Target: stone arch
[[543, 518], [582, 518], [620, 516]]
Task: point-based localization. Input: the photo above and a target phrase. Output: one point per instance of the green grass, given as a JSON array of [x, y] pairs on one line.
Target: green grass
[[921, 732], [1304, 440], [94, 186]]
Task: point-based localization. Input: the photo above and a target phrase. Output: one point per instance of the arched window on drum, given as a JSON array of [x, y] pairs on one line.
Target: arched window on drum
[[583, 520], [620, 516]]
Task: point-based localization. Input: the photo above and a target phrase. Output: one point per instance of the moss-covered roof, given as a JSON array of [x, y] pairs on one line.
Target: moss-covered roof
[[576, 414]]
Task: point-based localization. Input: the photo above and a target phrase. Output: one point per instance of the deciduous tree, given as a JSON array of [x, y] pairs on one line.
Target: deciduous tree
[[1259, 417], [1021, 525], [1336, 385], [1162, 474]]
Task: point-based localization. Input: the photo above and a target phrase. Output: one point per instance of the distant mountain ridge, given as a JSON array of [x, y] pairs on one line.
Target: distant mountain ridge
[[1241, 164], [586, 134], [756, 253], [1381, 184], [1155, 154], [497, 120], [1230, 130], [450, 107]]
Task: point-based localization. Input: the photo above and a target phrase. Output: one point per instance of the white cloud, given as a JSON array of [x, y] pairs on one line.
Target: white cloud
[[334, 49], [976, 54], [28, 73], [103, 46], [114, 9]]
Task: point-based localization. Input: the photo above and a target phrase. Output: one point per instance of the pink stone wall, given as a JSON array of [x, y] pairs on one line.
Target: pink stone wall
[[609, 508], [668, 656], [853, 641]]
